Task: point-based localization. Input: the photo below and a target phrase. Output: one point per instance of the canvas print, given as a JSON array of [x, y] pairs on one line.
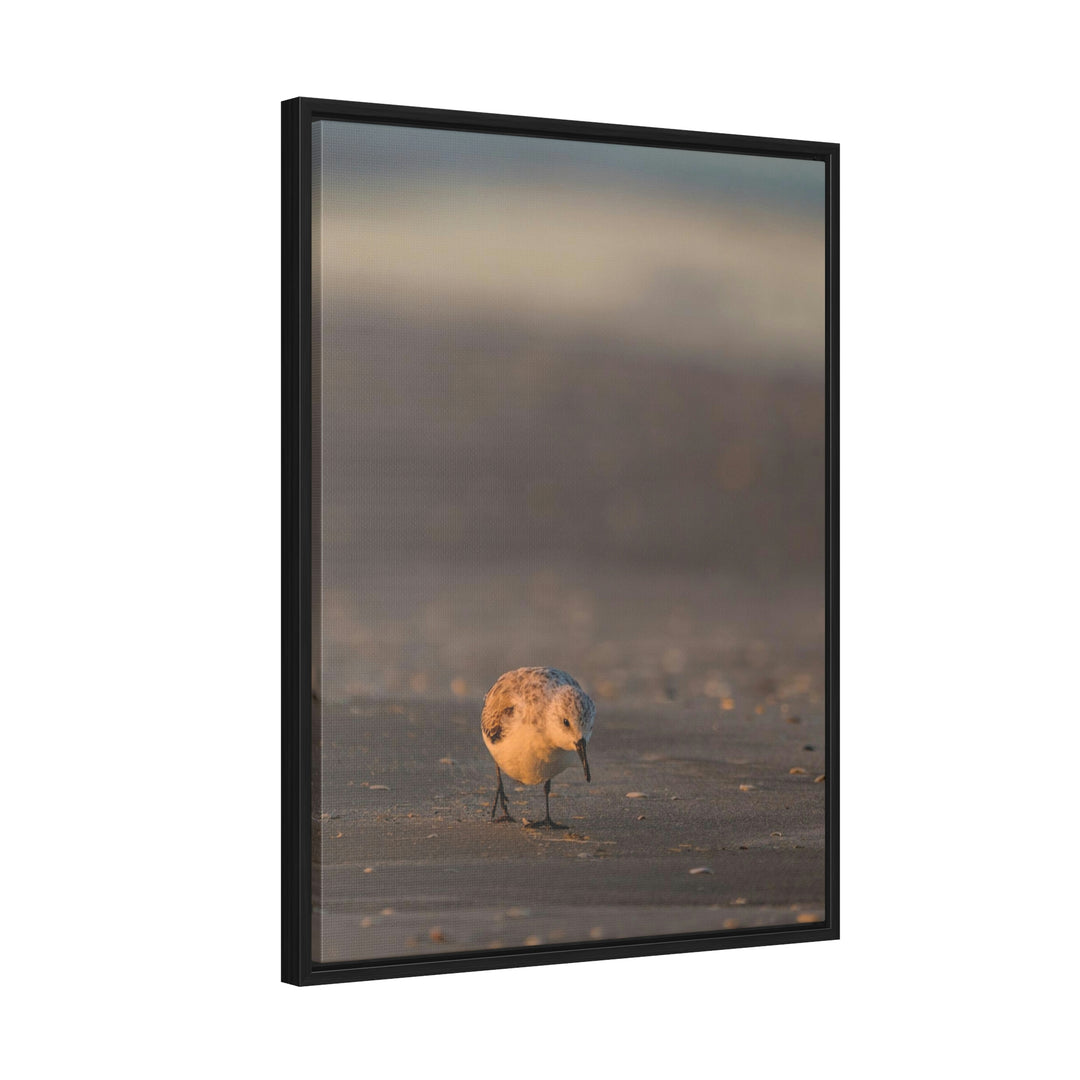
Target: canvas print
[[568, 542]]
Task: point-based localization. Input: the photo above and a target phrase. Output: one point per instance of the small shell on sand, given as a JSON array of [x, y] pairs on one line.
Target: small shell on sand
[[746, 787], [819, 779], [377, 787], [636, 795], [796, 770], [807, 917], [701, 870], [436, 935], [532, 939]]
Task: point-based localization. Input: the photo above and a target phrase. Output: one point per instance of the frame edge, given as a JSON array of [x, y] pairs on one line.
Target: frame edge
[[295, 891]]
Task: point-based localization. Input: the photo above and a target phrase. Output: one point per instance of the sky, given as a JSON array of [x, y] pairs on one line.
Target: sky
[[683, 254]]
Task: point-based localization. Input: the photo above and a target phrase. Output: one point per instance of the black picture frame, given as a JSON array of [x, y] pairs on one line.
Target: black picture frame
[[298, 115]]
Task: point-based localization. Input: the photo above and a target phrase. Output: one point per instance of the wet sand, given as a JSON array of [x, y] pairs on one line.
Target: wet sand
[[407, 863]]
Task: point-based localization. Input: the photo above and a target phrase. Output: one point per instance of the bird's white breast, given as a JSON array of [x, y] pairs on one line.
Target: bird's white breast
[[524, 754]]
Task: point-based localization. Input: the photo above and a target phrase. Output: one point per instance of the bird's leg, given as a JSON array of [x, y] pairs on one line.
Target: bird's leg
[[500, 795], [547, 811], [547, 807]]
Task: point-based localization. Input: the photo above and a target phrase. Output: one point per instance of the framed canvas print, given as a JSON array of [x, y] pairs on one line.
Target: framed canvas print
[[560, 509]]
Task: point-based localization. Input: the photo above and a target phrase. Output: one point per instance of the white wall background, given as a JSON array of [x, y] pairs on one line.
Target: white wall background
[[140, 544]]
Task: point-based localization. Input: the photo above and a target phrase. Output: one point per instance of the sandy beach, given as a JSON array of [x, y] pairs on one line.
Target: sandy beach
[[700, 818], [606, 457]]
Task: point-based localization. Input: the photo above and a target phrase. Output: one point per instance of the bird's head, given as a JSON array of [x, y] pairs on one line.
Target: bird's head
[[569, 721]]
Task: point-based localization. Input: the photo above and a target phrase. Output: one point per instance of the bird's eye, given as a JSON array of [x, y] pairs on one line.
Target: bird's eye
[[566, 723]]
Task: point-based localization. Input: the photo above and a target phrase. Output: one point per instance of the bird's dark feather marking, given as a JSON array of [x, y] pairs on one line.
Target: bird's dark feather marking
[[492, 721]]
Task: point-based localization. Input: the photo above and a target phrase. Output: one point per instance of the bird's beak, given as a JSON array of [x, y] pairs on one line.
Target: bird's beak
[[580, 747]]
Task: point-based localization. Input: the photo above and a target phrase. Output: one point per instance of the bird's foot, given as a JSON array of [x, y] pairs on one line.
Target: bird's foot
[[547, 823], [505, 817]]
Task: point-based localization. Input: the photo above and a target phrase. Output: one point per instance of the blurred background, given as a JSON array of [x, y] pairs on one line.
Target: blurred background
[[570, 411]]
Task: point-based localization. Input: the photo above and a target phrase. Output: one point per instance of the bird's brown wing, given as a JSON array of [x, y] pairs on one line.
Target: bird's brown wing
[[498, 709]]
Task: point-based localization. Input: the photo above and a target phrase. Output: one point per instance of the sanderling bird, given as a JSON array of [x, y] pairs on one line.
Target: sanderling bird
[[535, 721]]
